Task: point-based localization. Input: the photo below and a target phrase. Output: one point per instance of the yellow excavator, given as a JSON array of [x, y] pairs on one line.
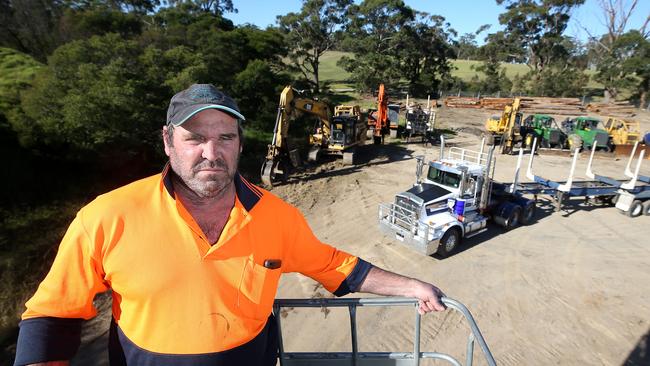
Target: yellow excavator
[[339, 135]]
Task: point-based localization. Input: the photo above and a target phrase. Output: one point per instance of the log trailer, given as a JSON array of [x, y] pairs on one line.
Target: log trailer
[[420, 121], [459, 196]]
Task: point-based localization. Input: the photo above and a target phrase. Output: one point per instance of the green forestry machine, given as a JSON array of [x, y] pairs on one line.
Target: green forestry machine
[[584, 132], [545, 129]]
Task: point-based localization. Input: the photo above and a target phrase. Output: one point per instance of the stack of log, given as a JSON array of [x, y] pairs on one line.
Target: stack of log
[[616, 109], [463, 102], [556, 106], [495, 103]]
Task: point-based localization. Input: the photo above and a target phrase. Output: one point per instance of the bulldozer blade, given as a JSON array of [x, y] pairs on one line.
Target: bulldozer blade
[[626, 149]]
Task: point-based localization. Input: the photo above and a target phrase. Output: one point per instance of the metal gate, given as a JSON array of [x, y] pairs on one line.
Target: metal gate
[[356, 358]]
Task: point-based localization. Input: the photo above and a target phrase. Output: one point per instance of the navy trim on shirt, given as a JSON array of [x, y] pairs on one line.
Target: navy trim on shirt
[[47, 339], [354, 279], [260, 351]]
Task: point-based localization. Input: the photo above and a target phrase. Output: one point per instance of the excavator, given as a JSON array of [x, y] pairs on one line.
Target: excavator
[[378, 122], [338, 136]]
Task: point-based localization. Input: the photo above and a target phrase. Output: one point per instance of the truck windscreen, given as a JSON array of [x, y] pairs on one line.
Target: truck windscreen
[[443, 177]]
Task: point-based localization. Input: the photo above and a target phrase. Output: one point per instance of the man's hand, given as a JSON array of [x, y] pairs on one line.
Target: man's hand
[[381, 282], [429, 298]]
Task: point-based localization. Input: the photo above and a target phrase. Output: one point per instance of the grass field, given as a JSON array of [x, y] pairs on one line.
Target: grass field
[[338, 78], [330, 72]]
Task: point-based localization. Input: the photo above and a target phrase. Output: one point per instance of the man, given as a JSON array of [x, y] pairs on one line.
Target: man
[[193, 257]]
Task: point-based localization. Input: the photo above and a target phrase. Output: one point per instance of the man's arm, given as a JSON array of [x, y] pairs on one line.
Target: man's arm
[[381, 282]]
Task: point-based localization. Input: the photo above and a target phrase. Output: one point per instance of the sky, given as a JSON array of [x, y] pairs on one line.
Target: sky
[[465, 16]]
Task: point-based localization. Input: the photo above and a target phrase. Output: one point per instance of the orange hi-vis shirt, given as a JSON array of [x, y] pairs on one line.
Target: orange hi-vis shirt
[[175, 294]]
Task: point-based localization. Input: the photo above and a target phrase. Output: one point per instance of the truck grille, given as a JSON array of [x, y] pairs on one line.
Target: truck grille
[[406, 212]]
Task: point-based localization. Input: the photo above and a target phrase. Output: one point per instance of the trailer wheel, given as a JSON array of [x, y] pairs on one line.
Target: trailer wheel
[[636, 209], [449, 242], [646, 208]]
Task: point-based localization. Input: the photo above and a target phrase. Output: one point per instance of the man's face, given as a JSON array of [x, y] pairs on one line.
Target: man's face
[[204, 151]]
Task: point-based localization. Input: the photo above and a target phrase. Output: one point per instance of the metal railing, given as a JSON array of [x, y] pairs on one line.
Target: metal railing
[[469, 156], [356, 358]]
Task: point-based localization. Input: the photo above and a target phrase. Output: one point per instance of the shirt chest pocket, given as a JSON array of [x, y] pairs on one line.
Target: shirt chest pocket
[[257, 290]]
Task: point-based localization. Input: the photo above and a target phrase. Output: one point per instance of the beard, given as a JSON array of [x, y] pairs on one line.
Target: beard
[[205, 184]]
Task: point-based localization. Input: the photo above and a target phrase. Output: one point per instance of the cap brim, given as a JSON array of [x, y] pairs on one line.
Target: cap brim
[[192, 110]]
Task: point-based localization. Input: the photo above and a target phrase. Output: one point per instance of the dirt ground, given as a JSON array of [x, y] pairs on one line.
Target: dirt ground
[[572, 288]]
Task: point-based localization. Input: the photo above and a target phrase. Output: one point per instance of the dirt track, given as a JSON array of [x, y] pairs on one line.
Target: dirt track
[[571, 288]]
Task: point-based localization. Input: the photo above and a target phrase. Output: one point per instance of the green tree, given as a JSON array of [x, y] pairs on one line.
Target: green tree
[[372, 35], [216, 7], [533, 34], [536, 26], [425, 52], [636, 47], [103, 97], [312, 32], [257, 89], [31, 26], [466, 47], [609, 52]]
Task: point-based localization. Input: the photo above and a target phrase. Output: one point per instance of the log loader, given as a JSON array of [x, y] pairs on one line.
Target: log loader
[[506, 130]]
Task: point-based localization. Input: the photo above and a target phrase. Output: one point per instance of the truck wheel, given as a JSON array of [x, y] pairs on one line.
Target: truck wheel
[[449, 242], [646, 208], [575, 142], [636, 209], [514, 219], [528, 213], [545, 144]]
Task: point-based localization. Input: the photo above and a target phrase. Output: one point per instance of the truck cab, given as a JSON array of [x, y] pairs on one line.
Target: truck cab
[[434, 214]]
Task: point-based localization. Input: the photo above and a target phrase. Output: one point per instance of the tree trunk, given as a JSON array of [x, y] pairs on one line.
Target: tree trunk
[[314, 64], [643, 100]]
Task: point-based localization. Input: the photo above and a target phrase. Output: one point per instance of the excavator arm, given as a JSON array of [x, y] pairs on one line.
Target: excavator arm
[[378, 122]]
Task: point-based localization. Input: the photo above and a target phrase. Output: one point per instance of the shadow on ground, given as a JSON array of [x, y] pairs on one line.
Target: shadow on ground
[[640, 355]]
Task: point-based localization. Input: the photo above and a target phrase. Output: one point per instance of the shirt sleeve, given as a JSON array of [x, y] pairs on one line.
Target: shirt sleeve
[[50, 327], [339, 272]]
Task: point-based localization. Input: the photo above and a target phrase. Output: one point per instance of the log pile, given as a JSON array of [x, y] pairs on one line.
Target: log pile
[[616, 109], [556, 106], [495, 103], [463, 102]]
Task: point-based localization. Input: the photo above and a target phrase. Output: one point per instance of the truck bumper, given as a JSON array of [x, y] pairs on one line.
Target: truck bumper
[[416, 235]]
